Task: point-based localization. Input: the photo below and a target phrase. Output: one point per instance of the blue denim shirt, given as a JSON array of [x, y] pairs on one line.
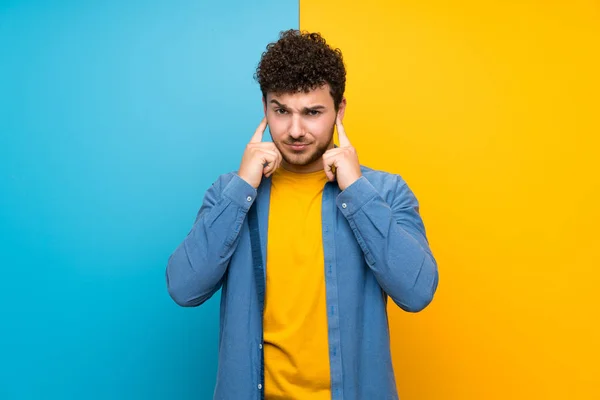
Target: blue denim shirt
[[375, 247]]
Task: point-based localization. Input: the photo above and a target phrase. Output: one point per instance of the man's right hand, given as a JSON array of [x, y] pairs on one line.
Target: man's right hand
[[260, 158]]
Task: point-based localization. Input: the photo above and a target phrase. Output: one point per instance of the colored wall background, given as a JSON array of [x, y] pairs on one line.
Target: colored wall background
[[490, 110], [115, 117]]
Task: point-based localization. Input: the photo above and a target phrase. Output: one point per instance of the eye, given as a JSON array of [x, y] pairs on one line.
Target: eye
[[313, 113], [280, 111]]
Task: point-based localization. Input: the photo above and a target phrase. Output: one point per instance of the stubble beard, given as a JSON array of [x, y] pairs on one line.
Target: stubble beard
[[303, 158]]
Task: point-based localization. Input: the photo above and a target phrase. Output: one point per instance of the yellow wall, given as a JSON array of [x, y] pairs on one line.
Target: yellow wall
[[490, 110]]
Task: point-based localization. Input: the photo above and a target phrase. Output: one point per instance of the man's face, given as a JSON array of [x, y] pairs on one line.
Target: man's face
[[301, 126]]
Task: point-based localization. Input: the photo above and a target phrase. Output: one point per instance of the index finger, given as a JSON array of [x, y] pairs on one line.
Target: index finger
[[344, 141], [258, 134]]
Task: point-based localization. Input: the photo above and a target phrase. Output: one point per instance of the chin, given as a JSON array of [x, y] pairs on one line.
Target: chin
[[302, 160], [297, 160]]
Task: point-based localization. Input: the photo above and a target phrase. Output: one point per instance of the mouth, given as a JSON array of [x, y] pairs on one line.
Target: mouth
[[297, 146]]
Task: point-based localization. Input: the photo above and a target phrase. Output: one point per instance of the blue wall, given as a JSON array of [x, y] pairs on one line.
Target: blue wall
[[115, 117]]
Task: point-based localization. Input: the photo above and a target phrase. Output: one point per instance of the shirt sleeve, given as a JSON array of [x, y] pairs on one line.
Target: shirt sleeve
[[393, 239]]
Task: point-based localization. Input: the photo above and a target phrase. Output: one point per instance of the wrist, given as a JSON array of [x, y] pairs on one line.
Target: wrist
[[248, 180]]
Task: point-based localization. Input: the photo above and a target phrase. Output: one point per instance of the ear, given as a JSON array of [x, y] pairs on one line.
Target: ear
[[342, 109], [264, 101]]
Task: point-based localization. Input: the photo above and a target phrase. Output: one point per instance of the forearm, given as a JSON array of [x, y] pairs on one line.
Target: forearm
[[393, 242], [196, 268]]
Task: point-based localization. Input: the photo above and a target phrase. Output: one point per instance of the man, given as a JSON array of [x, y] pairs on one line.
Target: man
[[337, 239]]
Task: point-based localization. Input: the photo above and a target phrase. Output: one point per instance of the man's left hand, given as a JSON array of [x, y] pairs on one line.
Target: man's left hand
[[342, 162]]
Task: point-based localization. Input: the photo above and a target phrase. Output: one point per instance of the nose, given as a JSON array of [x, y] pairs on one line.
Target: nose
[[296, 129]]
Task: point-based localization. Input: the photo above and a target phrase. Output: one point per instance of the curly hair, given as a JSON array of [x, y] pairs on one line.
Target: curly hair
[[300, 62]]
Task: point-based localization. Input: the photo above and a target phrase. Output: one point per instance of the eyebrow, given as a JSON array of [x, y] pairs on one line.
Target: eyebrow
[[316, 107]]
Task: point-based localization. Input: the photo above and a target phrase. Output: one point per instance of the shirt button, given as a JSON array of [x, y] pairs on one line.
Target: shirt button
[[260, 346], [344, 205], [259, 386], [249, 198]]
